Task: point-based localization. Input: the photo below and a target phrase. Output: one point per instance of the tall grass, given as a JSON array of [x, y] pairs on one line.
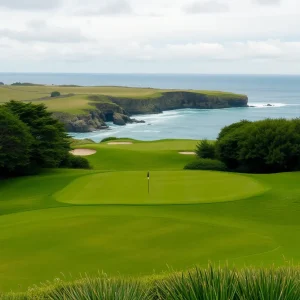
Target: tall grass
[[212, 283]]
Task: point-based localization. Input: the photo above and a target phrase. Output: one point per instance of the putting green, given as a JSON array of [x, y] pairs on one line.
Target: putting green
[[166, 187], [39, 245]]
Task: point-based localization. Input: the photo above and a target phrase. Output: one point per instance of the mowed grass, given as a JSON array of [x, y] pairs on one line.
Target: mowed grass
[[166, 187], [40, 236]]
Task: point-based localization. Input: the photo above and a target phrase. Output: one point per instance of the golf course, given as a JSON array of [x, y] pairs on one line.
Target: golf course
[[72, 222]]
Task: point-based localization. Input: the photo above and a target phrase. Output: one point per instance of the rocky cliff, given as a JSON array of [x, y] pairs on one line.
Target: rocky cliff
[[177, 100], [119, 109]]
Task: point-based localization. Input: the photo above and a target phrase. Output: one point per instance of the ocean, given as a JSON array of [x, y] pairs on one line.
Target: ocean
[[281, 91]]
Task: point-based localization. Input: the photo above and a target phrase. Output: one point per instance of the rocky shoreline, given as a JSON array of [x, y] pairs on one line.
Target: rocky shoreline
[[120, 109]]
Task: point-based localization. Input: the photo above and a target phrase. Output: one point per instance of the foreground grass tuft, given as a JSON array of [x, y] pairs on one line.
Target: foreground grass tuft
[[222, 283]]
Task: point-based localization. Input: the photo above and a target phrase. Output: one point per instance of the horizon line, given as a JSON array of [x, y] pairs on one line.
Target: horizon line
[[152, 73]]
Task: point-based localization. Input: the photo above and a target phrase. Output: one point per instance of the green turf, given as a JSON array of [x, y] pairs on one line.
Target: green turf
[[41, 236], [167, 187]]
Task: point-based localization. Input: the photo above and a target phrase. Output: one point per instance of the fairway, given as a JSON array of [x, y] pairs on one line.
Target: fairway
[[127, 241], [177, 187], [77, 221]]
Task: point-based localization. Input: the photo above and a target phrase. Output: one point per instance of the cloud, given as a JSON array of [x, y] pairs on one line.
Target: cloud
[[267, 49], [194, 50], [211, 6], [268, 2], [112, 7], [40, 31], [30, 4]]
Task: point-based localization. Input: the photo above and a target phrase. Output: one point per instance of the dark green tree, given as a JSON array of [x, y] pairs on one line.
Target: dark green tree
[[50, 141], [55, 94], [205, 149], [262, 147], [15, 143], [232, 127]]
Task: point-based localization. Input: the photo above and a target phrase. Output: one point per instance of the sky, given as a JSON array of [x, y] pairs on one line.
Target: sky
[[157, 36]]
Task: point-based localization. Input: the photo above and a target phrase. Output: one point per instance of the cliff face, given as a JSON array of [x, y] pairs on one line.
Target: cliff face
[[119, 109], [93, 120], [177, 100]]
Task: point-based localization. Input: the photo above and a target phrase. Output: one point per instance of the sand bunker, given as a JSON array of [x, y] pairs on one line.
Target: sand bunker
[[83, 152], [119, 143], [187, 153]]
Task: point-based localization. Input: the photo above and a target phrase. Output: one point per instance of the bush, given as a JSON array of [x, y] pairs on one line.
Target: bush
[[206, 164], [75, 162], [268, 146], [205, 149], [55, 94], [206, 283], [224, 283], [110, 138]]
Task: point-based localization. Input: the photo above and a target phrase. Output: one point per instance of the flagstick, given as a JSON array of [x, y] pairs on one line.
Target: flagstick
[[148, 176]]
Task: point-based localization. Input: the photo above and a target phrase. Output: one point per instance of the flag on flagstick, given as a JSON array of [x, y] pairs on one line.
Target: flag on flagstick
[[148, 176]]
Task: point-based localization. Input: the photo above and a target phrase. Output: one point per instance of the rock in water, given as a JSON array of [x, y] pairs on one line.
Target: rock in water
[[118, 119]]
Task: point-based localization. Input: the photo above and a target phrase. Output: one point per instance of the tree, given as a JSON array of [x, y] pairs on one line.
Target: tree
[[50, 141], [232, 127], [15, 143], [262, 147], [205, 149], [55, 94]]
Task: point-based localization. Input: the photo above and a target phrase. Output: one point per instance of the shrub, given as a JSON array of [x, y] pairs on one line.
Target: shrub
[[55, 94], [75, 162], [110, 138], [206, 164], [205, 149], [268, 146], [230, 284], [222, 283]]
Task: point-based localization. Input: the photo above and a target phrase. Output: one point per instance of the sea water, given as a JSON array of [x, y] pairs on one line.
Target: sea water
[[282, 92]]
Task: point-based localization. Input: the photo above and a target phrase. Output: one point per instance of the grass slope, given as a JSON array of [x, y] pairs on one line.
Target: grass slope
[[41, 237], [76, 100]]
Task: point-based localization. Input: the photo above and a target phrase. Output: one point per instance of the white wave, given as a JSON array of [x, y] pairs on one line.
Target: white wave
[[155, 131], [267, 104]]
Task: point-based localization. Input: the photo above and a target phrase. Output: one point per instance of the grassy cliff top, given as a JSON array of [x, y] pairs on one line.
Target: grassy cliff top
[[76, 99]]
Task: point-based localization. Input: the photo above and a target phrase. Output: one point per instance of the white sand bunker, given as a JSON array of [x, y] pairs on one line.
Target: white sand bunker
[[119, 143], [83, 152], [187, 153]]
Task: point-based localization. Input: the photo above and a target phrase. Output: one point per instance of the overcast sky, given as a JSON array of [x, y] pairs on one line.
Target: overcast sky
[[157, 36]]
